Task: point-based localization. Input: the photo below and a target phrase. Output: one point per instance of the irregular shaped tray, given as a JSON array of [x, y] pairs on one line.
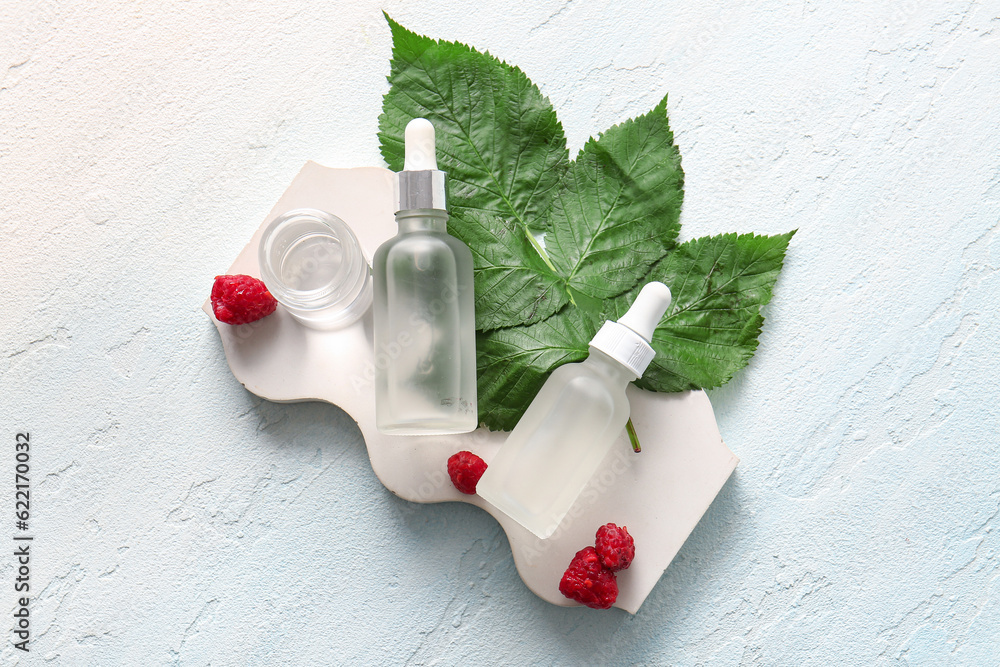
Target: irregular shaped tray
[[659, 494]]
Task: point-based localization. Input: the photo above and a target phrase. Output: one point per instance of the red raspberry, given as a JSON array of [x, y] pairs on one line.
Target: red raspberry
[[589, 582], [465, 469], [241, 299], [615, 547]]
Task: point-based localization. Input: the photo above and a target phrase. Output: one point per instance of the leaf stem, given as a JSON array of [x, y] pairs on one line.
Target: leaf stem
[[633, 438], [545, 258], [538, 247]]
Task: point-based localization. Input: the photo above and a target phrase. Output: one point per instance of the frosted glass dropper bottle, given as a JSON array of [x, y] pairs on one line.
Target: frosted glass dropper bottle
[[424, 307], [577, 415]]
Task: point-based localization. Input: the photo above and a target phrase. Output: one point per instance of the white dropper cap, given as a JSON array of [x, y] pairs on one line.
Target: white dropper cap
[[421, 185], [420, 153], [627, 340]]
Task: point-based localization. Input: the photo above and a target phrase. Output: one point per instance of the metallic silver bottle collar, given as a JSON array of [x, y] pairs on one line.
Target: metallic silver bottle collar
[[421, 189]]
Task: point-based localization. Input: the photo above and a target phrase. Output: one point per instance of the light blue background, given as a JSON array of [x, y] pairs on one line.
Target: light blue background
[[181, 520]]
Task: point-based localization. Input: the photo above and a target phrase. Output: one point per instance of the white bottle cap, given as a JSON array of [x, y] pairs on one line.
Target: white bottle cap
[[421, 184], [420, 153], [627, 340]]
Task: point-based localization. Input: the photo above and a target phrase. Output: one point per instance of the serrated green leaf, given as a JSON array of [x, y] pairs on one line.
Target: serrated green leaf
[[618, 210], [719, 284], [512, 283], [497, 135], [611, 220], [514, 362]]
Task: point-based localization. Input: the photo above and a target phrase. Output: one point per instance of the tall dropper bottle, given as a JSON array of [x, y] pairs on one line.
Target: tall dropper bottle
[[424, 306], [575, 418]]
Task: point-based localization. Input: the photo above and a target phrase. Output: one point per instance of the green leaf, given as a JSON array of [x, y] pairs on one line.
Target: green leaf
[[618, 210], [513, 284], [610, 221], [515, 362], [719, 284], [497, 135]]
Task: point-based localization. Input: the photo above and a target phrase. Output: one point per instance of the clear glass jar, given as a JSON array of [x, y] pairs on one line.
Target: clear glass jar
[[312, 263]]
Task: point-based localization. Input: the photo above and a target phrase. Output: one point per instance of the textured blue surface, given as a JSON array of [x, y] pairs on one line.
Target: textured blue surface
[[181, 520]]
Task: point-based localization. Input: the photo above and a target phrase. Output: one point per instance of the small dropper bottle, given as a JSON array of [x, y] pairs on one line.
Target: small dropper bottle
[[424, 307], [577, 415]]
